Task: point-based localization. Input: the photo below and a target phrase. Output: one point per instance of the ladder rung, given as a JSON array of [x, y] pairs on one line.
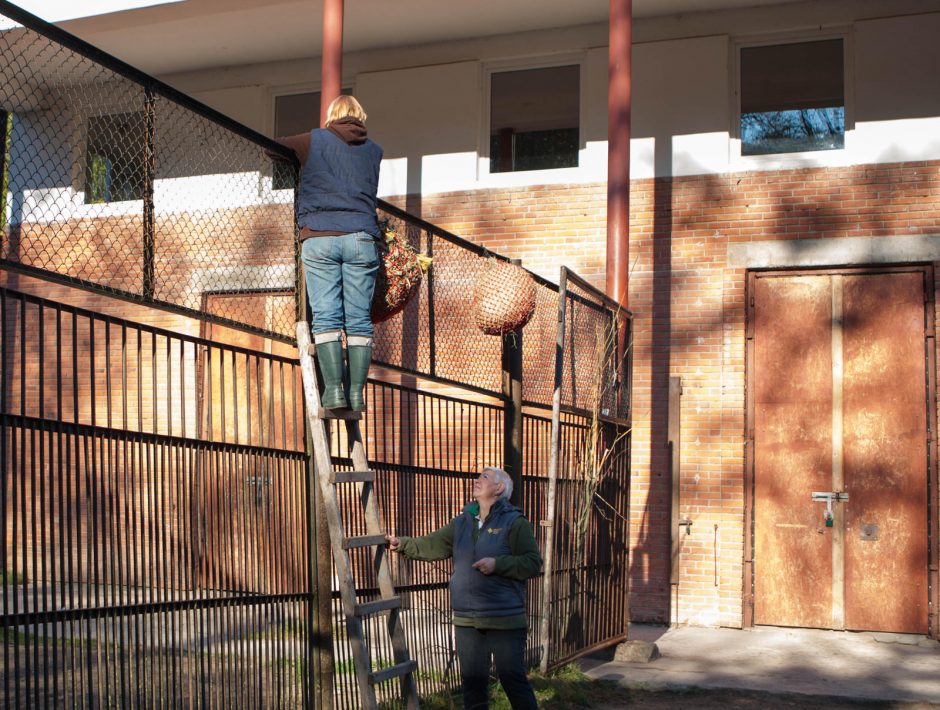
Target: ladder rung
[[363, 541], [346, 414], [396, 671], [378, 606], [352, 477]]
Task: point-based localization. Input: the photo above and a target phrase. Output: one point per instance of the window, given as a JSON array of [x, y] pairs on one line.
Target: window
[[792, 98], [294, 114], [534, 119], [6, 130], [114, 158]]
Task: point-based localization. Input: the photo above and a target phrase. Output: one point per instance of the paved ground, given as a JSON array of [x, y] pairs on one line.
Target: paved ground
[[820, 663]]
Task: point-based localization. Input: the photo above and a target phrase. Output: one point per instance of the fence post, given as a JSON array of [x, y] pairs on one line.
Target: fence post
[[673, 433], [512, 408], [549, 522]]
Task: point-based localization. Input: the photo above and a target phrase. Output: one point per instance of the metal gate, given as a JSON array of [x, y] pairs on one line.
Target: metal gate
[[587, 492], [145, 548]]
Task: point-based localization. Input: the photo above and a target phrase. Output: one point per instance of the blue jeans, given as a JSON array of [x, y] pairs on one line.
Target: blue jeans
[[340, 273], [507, 647]]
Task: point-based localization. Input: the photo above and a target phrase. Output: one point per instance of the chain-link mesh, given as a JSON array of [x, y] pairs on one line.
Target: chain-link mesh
[[435, 334], [538, 347], [120, 183], [113, 182], [596, 351]]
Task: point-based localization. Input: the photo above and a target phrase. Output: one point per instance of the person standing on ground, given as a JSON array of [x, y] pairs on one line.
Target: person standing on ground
[[339, 231], [494, 552]]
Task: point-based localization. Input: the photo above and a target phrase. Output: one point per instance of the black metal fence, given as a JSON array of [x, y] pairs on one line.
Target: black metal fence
[[155, 497], [154, 516]]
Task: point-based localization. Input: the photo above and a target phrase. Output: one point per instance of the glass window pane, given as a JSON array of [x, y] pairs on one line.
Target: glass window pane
[[114, 158], [535, 119], [296, 113], [792, 98], [792, 131]]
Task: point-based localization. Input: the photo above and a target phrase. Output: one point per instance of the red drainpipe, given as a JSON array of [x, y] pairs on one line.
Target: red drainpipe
[[331, 76], [618, 150]]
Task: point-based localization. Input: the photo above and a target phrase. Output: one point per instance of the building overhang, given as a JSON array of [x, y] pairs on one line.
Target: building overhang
[[197, 34]]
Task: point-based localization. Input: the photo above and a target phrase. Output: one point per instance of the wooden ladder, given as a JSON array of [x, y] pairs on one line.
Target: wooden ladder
[[364, 479]]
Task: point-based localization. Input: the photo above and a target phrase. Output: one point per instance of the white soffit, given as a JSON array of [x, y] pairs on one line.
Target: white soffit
[[195, 34], [62, 10]]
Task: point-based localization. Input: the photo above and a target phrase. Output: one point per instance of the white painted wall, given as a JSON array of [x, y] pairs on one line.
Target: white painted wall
[[427, 120], [897, 89], [431, 117], [681, 108]]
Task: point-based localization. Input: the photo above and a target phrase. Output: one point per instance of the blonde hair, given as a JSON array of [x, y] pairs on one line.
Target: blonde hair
[[343, 106]]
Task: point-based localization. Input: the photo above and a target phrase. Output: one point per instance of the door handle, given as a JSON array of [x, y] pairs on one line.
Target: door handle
[[829, 497]]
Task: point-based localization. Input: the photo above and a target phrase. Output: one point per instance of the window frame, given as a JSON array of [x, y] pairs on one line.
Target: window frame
[[274, 93], [85, 166], [809, 158], [528, 177]]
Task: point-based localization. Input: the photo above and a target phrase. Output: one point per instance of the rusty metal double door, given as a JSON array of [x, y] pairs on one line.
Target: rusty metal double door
[[840, 392]]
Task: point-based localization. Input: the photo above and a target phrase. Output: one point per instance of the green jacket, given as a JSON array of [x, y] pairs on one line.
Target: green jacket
[[524, 562]]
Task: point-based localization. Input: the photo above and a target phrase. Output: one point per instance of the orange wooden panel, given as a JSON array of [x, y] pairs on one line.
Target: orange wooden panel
[[885, 414], [792, 451]]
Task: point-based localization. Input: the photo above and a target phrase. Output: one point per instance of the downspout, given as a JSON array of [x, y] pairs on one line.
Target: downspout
[[619, 104], [618, 149], [331, 74]]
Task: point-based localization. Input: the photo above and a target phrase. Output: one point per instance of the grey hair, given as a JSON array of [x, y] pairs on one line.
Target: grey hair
[[504, 478]]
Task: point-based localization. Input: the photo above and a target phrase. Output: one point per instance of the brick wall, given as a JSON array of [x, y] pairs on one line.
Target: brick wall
[[689, 308]]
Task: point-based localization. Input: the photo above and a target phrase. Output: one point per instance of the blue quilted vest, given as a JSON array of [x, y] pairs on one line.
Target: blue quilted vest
[[338, 185], [472, 593]]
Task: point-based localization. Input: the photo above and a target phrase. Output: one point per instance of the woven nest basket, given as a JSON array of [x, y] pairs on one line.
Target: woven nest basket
[[503, 298], [398, 279]]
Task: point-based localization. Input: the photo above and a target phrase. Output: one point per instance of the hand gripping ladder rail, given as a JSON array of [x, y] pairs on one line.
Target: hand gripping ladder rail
[[364, 479]]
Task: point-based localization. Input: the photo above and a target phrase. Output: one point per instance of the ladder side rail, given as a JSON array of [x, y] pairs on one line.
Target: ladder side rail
[[374, 525], [324, 466]]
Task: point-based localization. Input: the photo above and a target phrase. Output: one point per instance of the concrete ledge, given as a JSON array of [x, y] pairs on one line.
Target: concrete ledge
[[835, 251]]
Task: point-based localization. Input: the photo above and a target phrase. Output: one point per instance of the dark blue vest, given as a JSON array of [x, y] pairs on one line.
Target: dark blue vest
[[338, 185], [472, 593]]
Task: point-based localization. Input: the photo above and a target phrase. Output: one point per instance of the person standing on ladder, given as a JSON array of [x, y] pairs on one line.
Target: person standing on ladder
[[339, 231], [494, 553]]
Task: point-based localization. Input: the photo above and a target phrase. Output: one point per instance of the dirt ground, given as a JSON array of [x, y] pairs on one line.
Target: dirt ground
[[703, 699]]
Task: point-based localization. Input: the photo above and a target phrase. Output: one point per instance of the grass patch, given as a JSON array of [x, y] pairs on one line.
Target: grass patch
[[21, 638], [8, 576], [566, 687]]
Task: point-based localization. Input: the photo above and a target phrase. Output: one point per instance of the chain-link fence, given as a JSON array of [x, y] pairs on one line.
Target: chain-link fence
[[118, 182]]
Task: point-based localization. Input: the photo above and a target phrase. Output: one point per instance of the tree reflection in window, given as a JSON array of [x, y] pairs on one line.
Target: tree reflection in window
[[793, 131], [792, 98]]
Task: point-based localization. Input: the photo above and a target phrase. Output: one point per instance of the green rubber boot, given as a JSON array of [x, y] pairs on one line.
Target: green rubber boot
[[330, 359], [360, 357]]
